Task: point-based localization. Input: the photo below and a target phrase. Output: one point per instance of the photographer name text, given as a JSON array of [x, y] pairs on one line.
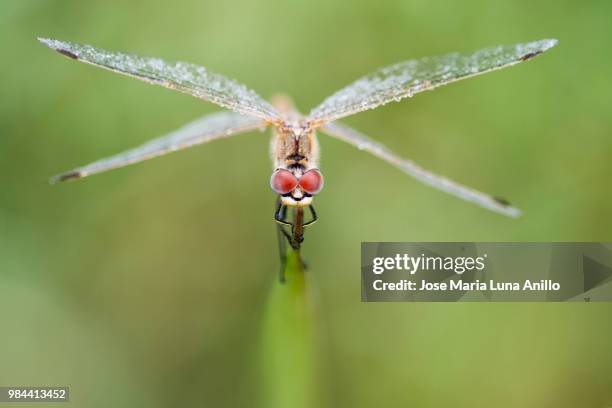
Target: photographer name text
[[460, 285]]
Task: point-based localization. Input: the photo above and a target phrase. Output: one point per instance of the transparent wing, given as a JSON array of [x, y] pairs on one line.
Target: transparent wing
[[405, 79], [181, 76], [208, 128], [363, 142]]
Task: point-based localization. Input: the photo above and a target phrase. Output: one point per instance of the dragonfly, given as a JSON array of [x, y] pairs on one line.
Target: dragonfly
[[296, 176]]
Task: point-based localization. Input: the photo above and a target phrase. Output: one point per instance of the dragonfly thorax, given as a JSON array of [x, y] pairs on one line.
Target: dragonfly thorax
[[294, 144]]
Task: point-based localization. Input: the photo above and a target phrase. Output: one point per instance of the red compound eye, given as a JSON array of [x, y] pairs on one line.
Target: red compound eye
[[283, 181], [311, 181]]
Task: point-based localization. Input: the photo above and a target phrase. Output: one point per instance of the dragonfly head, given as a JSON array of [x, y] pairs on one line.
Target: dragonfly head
[[295, 186]]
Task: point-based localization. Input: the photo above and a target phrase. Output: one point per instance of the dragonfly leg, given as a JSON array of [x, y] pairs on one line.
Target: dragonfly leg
[[280, 216], [281, 213], [314, 216]]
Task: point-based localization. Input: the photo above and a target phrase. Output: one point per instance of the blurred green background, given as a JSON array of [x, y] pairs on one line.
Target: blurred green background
[[145, 286]]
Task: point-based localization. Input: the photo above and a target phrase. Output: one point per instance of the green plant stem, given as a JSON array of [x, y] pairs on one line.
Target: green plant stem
[[288, 349]]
